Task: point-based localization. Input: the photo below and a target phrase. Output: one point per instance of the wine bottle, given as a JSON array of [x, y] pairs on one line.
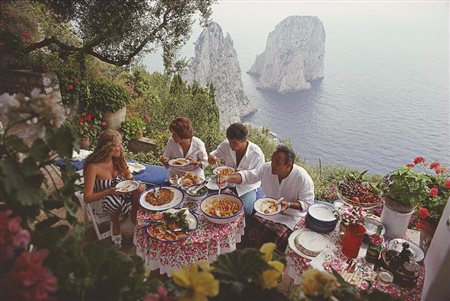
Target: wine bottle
[[375, 246]]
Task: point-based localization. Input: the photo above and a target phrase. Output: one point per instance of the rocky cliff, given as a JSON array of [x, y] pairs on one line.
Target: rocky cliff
[[216, 61], [294, 55]]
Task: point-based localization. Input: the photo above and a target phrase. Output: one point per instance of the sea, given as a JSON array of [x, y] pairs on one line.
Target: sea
[[384, 98]]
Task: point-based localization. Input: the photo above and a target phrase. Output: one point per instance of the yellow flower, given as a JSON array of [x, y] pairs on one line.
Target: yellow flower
[[269, 277], [267, 250], [316, 283], [198, 280]]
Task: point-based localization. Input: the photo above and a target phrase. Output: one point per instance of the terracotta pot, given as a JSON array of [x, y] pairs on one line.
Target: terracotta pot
[[115, 119], [395, 206], [85, 143]]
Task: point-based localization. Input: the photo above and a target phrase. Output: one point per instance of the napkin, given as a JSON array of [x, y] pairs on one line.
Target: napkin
[[81, 155]]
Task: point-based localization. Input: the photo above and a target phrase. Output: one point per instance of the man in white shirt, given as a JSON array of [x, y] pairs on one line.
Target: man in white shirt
[[239, 153], [280, 178]]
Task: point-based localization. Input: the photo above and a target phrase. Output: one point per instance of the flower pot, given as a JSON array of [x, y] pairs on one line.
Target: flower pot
[[85, 143], [395, 222], [115, 119], [351, 244]]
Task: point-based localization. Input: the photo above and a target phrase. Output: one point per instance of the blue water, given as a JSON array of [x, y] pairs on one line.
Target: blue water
[[385, 96]]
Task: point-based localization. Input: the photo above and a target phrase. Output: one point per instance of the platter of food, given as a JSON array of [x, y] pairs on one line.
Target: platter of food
[[267, 206], [171, 225], [127, 186], [224, 170], [189, 179], [179, 162], [161, 198], [359, 193], [221, 209]]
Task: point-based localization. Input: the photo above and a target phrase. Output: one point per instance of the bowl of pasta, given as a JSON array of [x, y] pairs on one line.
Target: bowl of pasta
[[222, 209]]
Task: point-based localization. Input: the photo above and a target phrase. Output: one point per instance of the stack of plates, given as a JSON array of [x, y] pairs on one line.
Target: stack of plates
[[321, 218]]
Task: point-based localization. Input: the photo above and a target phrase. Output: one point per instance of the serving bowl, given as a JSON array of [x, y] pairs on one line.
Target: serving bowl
[[200, 195], [222, 209]]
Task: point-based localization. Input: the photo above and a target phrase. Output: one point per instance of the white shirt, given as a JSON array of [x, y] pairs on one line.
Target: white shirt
[[197, 151], [297, 186], [252, 159]]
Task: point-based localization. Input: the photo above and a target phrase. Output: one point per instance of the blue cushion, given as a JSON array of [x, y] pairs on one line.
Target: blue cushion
[[260, 193], [153, 174]]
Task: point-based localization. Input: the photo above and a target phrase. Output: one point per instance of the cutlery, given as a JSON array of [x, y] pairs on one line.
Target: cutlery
[[156, 193], [201, 186]]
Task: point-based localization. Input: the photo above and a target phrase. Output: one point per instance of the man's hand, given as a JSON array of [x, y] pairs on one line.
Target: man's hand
[[213, 159], [221, 179], [164, 160]]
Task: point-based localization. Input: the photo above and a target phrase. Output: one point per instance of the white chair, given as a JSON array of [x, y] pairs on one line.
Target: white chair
[[94, 211]]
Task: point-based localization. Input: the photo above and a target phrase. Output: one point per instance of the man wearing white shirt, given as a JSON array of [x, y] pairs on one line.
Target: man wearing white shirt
[[280, 178], [239, 153], [183, 144]]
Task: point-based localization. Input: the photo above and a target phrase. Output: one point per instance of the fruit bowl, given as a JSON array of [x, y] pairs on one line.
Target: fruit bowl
[[358, 193]]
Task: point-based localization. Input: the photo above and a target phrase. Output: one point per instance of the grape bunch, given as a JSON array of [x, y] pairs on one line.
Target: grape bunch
[[359, 192]]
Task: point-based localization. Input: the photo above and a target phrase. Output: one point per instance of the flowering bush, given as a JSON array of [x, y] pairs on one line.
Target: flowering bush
[[89, 125], [350, 215], [434, 195]]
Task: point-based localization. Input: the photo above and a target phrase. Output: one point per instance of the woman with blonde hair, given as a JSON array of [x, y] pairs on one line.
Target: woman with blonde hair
[[104, 168]]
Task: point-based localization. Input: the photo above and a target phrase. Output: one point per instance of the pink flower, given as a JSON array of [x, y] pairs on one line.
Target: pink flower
[[434, 192], [447, 183], [12, 236], [418, 160], [76, 80], [434, 165], [70, 87], [104, 123], [410, 165], [148, 118], [88, 117], [161, 295], [28, 279], [423, 213], [440, 170]]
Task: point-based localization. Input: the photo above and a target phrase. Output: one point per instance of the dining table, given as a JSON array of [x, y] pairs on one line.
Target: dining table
[[208, 241], [297, 263]]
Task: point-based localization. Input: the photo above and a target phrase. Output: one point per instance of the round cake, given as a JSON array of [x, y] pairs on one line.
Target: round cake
[[310, 243]]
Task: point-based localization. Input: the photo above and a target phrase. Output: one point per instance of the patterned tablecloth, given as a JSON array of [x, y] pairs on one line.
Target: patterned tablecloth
[[297, 264], [207, 242]]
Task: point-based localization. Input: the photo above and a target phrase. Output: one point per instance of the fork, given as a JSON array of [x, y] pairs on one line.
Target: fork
[[157, 192]]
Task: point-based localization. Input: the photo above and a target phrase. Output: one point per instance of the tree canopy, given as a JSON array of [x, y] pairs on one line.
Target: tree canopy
[[114, 31]]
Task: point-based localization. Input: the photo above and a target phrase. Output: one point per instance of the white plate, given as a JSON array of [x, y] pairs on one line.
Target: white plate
[[179, 162], [177, 199], [293, 236], [322, 212], [180, 183], [135, 167], [396, 244], [191, 219], [220, 168], [212, 184], [264, 203], [127, 186]]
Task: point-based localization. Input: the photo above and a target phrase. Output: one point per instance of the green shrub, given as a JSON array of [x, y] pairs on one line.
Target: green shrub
[[133, 128], [108, 96]]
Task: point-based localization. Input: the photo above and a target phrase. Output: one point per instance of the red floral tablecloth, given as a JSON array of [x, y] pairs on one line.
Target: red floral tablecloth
[[207, 242], [297, 264]]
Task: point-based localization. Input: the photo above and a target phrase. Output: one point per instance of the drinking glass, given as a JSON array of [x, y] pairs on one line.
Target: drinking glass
[[173, 179], [354, 234]]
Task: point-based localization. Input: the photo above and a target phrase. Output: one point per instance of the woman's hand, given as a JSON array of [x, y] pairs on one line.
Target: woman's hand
[[114, 191], [164, 160], [213, 159]]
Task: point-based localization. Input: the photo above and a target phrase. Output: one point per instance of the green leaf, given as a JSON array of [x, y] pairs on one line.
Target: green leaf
[[60, 139], [39, 150], [47, 222]]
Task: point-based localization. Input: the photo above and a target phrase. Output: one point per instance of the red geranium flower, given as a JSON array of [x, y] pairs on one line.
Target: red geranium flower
[[439, 170], [421, 226], [81, 119], [447, 183], [28, 279], [91, 127], [434, 165], [410, 165], [434, 192], [88, 117], [419, 160], [424, 213], [104, 123], [76, 79], [70, 87], [12, 237]]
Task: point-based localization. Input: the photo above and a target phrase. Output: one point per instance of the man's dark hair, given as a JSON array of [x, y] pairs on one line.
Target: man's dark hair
[[237, 131], [290, 155], [183, 127]]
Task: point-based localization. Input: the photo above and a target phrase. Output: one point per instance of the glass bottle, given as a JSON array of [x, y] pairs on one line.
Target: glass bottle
[[375, 246]]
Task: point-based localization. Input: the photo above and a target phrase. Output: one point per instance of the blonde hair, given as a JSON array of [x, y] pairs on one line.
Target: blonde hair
[[106, 142]]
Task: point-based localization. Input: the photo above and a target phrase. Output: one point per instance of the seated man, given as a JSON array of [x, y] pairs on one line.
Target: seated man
[[241, 154], [279, 178]]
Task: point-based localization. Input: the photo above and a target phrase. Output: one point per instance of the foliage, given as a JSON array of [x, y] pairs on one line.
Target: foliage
[[114, 33], [263, 139], [132, 128], [90, 126], [324, 286], [108, 96]]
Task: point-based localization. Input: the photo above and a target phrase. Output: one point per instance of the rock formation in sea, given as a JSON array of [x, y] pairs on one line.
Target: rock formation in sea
[[216, 61], [294, 55]]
